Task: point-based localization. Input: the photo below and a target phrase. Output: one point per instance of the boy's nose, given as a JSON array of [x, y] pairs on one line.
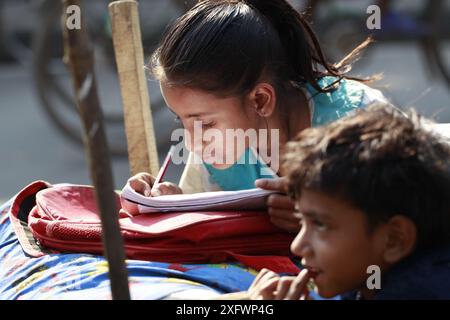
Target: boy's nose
[[301, 246]]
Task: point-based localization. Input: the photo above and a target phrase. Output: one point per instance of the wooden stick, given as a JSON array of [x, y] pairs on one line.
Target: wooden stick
[[142, 151], [78, 56]]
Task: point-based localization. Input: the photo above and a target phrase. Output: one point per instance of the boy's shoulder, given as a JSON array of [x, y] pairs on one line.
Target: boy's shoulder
[[346, 96], [424, 275]]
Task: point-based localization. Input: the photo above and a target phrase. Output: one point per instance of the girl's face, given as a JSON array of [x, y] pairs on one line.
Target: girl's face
[[213, 115]]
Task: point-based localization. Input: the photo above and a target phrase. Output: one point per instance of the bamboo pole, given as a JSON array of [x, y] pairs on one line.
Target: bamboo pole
[[142, 151], [78, 56]]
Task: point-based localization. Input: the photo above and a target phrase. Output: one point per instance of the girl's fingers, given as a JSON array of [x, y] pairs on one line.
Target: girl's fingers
[[283, 214], [280, 201], [278, 184], [283, 287], [144, 176], [142, 183], [165, 188], [286, 225], [298, 287], [139, 186]]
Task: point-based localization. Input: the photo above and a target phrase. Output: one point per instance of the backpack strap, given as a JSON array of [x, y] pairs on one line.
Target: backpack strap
[[21, 207]]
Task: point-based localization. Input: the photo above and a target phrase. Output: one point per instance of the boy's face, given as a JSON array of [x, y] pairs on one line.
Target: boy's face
[[336, 244]]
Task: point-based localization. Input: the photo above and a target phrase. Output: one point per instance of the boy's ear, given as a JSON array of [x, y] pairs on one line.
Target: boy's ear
[[401, 236], [263, 99]]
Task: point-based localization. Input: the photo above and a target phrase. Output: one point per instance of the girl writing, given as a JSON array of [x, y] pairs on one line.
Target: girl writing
[[248, 65]]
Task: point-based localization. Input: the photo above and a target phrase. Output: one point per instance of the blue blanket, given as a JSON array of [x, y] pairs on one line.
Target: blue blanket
[[84, 276]]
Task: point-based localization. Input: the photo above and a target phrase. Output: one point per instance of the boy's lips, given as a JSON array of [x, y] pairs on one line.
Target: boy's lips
[[314, 272]]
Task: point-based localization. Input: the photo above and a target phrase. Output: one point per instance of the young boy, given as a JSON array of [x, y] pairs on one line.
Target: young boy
[[373, 194]]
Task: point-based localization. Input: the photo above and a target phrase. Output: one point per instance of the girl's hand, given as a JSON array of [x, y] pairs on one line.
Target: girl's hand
[[270, 286], [142, 183], [281, 207]]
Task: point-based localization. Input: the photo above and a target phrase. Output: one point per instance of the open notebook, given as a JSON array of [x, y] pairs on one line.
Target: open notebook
[[252, 199]]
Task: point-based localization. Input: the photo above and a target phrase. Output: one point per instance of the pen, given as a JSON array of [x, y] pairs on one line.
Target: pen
[[164, 166]]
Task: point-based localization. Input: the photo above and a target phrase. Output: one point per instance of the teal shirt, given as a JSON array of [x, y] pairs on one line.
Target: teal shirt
[[326, 107], [241, 175], [345, 98]]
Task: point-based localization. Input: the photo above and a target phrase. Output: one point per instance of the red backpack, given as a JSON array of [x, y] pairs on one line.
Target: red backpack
[[64, 218]]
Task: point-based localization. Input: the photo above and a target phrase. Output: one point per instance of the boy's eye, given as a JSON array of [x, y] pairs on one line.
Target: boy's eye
[[208, 124], [319, 224]]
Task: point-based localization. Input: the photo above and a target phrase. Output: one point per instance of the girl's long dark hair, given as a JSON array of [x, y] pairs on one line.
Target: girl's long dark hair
[[225, 46]]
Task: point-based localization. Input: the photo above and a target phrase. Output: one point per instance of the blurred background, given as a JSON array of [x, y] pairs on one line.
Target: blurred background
[[40, 133]]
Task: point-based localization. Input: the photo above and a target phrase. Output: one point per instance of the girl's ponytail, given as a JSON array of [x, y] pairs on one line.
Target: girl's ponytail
[[303, 50]]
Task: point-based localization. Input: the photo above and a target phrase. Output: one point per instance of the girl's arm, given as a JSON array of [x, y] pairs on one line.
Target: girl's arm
[[281, 207]]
